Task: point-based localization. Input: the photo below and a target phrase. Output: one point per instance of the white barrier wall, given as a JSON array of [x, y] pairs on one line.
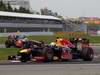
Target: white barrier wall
[[28, 34]]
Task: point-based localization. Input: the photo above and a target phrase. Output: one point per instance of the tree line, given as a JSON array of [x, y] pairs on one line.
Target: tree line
[[44, 11], [7, 7]]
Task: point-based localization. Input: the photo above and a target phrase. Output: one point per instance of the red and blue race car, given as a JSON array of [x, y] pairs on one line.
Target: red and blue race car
[[39, 51]]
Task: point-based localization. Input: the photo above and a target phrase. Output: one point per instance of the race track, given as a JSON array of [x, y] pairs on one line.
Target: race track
[[51, 69]]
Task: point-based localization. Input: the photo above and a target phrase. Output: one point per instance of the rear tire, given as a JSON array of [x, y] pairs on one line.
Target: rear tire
[[48, 53], [87, 54], [7, 44]]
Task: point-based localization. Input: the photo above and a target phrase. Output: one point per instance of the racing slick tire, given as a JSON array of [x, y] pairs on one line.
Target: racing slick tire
[[7, 44], [24, 57], [48, 53], [87, 54]]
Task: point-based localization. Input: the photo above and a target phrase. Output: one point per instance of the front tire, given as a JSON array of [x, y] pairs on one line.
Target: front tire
[[24, 57]]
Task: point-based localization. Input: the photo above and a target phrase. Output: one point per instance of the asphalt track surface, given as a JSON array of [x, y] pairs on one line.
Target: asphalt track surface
[[51, 69]]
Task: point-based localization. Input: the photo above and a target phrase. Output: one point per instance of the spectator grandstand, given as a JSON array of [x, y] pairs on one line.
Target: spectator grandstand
[[12, 22], [75, 24]]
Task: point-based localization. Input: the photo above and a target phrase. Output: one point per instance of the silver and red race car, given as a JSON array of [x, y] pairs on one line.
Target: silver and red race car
[[16, 41]]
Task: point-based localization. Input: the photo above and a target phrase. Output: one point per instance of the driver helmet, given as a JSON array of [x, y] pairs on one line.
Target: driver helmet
[[52, 44]]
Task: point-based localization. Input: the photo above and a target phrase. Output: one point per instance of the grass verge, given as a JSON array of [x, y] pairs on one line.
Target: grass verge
[[5, 52], [48, 39]]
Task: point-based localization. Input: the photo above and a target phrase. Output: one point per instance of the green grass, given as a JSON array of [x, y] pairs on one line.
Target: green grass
[[5, 52], [94, 39], [48, 39], [2, 40]]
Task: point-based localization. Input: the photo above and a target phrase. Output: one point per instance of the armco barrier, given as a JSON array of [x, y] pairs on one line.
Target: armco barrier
[[28, 34]]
